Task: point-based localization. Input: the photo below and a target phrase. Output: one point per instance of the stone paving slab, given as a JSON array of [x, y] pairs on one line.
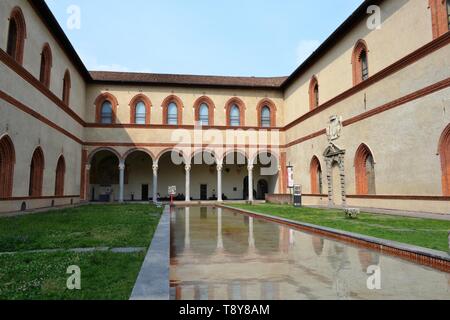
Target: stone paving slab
[[153, 280]]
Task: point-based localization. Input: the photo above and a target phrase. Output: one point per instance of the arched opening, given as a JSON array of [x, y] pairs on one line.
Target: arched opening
[[316, 176], [140, 107], [234, 172], [16, 35], [59, 177], [7, 161], [46, 65], [360, 63], [265, 174], [171, 173], [364, 171], [440, 15], [36, 173], [139, 183], [203, 185], [444, 152], [204, 111], [266, 113], [66, 88], [235, 111], [104, 176], [172, 111], [106, 108], [313, 93]]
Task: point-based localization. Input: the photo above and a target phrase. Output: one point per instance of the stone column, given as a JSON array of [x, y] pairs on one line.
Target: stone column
[[219, 182], [121, 180], [187, 235], [251, 236], [219, 229], [250, 183], [155, 183], [188, 182]]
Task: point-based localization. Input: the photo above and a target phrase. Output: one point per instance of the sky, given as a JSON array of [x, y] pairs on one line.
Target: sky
[[221, 37]]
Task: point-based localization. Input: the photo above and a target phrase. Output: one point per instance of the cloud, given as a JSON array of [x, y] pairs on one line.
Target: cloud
[[92, 64], [305, 48]]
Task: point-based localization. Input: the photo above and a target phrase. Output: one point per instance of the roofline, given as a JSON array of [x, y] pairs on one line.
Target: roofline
[[46, 15], [341, 31]]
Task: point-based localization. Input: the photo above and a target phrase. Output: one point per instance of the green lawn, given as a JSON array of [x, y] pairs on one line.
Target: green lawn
[[426, 233], [104, 275]]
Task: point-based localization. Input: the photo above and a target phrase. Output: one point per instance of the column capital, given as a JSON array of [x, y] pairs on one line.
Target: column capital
[[219, 167], [88, 167], [250, 168], [187, 167], [122, 166], [155, 167]]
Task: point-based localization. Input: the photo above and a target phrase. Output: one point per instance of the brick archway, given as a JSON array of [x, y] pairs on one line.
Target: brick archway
[[67, 84], [358, 51], [59, 177], [211, 107], [313, 93], [16, 35], [7, 161], [315, 173], [102, 98], [444, 152], [36, 173], [241, 105], [361, 171], [439, 17], [165, 105], [46, 65], [147, 103], [273, 111]]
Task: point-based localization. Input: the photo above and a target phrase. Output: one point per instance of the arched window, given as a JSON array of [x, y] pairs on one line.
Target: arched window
[[444, 152], [265, 117], [172, 114], [440, 16], [7, 161], [46, 65], [106, 108], [140, 113], [313, 93], [106, 116], [365, 171], [66, 88], [16, 35], [235, 116], [204, 115], [316, 176], [172, 110], [59, 180], [36, 173], [360, 62]]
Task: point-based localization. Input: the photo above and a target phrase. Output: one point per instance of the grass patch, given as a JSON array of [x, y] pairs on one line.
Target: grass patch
[[104, 275], [82, 227], [37, 276], [428, 233]]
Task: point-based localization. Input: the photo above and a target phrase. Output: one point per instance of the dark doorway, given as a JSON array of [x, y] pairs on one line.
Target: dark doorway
[[203, 192], [144, 192], [263, 189], [245, 191]]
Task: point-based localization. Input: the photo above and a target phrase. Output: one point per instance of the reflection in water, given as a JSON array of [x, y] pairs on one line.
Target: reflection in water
[[218, 254]]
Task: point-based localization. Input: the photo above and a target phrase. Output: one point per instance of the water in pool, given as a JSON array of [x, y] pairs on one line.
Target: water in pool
[[217, 254]]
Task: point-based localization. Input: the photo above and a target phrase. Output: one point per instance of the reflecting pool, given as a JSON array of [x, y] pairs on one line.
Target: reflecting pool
[[217, 254]]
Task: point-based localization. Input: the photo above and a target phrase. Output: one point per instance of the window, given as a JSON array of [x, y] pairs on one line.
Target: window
[[66, 88], [313, 93], [364, 171], [204, 115], [444, 152], [59, 179], [172, 114], [448, 14], [106, 113], [7, 160], [360, 62], [235, 116], [16, 35], [140, 113], [316, 176], [440, 17], [364, 66], [46, 65], [265, 117], [36, 173]]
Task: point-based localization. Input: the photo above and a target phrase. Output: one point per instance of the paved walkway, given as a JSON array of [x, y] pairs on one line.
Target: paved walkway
[[412, 214], [81, 250]]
